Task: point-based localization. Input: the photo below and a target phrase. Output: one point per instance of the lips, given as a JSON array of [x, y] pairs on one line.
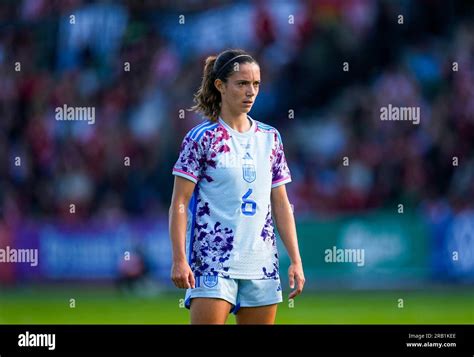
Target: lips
[[248, 102]]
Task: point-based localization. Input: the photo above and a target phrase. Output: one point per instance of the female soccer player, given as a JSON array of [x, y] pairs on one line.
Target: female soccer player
[[231, 175]]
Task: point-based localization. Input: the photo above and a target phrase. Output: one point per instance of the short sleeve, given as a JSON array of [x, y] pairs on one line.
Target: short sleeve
[[187, 165], [280, 171]]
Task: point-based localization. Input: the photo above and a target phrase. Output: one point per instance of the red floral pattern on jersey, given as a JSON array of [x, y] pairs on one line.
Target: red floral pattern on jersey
[[211, 246], [280, 168], [268, 235], [195, 158]]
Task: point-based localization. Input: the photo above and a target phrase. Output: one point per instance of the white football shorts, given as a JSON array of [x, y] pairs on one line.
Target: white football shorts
[[238, 292]]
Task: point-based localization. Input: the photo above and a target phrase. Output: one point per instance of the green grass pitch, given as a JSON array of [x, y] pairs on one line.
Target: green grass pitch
[[106, 306]]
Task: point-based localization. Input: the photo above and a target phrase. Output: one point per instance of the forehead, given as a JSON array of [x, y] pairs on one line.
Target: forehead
[[247, 71]]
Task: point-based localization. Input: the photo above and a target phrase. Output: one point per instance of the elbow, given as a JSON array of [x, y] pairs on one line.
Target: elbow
[[281, 208], [177, 207]]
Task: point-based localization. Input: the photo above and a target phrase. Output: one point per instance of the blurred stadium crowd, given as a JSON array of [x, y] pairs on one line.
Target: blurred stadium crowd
[[83, 61]]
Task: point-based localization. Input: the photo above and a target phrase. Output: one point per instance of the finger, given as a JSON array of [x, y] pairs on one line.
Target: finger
[[185, 282], [291, 277], [294, 293], [175, 282], [181, 283], [191, 280], [299, 286], [300, 283]]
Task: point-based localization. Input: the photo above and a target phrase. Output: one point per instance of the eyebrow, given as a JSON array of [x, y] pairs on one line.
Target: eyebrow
[[245, 81]]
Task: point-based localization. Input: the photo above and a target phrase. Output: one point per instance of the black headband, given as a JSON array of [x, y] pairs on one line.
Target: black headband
[[219, 72]]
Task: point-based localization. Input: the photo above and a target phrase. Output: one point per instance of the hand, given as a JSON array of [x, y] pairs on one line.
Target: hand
[[182, 275], [295, 272]]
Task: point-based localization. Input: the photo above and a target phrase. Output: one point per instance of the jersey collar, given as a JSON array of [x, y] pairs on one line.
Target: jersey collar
[[246, 134]]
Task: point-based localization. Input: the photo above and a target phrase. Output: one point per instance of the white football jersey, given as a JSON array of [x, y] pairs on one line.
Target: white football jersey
[[230, 228]]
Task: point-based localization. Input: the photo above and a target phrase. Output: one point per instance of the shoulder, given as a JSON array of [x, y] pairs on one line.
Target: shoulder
[[197, 133], [268, 129]]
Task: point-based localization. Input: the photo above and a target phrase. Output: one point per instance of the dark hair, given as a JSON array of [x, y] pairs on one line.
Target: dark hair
[[208, 97]]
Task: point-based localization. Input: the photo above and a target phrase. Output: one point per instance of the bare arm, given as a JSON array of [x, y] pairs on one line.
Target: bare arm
[[285, 222], [181, 273]]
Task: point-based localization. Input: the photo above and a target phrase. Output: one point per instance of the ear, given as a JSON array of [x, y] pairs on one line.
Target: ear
[[219, 85]]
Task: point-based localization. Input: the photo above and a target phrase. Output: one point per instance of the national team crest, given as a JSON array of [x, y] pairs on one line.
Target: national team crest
[[248, 168], [210, 280]]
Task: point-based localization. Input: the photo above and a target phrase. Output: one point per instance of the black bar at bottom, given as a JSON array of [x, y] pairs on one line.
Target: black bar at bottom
[[444, 340]]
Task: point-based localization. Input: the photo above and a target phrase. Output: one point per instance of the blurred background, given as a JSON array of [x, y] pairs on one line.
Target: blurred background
[[93, 198]]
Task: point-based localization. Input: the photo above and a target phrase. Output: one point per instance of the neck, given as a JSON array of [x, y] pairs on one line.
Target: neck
[[239, 122]]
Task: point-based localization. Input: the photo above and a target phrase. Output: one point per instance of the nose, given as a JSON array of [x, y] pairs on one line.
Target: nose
[[251, 92]]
